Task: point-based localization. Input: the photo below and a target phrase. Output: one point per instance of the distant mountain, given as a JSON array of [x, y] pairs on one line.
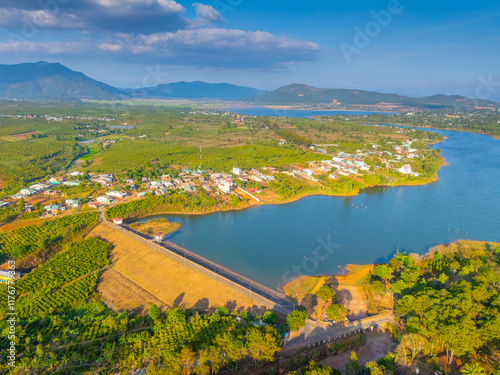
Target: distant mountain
[[51, 81], [55, 82], [303, 94], [195, 90]]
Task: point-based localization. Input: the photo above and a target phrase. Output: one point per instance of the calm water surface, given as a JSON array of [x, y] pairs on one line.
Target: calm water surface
[[272, 243]]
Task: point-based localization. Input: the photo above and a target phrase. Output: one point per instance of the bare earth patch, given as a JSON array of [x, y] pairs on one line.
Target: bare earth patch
[[161, 277], [121, 294], [23, 136], [348, 289]]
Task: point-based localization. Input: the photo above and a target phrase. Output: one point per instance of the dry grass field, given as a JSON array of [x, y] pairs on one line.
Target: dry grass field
[[140, 275], [155, 226]]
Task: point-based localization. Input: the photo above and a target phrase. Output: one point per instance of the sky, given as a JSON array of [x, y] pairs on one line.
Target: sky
[[409, 47]]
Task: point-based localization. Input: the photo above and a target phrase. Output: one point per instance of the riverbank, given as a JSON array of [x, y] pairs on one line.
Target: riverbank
[[430, 127], [306, 108], [277, 201], [350, 287], [349, 291], [158, 226]]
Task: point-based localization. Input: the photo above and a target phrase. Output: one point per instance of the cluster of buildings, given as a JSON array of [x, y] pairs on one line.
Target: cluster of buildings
[[45, 187], [344, 164], [340, 164], [59, 118]]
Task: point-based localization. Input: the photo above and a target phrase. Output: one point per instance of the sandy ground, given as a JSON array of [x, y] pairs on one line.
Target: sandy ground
[[378, 344], [348, 289], [139, 274]]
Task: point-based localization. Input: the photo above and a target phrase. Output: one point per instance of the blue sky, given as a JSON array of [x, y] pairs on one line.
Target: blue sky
[[412, 47]]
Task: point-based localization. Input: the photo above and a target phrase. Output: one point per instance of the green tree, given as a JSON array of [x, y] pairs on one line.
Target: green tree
[[316, 369], [336, 312], [352, 367], [296, 319], [374, 368], [326, 293], [472, 369], [262, 343], [187, 360], [270, 317], [383, 271], [39, 350], [154, 312]]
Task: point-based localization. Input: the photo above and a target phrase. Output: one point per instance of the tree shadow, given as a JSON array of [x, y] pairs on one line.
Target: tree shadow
[[178, 301], [202, 304], [231, 305]]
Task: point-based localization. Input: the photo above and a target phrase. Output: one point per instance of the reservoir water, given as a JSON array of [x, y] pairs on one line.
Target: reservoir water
[[320, 234]]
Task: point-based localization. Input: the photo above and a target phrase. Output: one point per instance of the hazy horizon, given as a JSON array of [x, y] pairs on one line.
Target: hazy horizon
[[398, 46]]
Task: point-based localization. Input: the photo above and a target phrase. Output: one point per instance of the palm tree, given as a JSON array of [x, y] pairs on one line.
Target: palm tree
[[472, 369]]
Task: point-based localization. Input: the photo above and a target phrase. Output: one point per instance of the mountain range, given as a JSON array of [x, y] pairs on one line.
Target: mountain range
[[43, 81], [51, 81], [304, 94], [195, 90]]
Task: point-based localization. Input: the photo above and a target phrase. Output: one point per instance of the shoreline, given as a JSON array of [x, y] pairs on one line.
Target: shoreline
[[297, 108], [430, 127], [351, 269], [285, 201]]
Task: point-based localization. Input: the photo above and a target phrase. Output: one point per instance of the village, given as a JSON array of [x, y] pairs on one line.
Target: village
[[246, 184]]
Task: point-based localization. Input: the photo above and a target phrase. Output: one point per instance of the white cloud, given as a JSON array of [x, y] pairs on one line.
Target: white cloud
[[146, 31], [110, 47], [12, 17], [48, 48], [205, 15], [127, 6]]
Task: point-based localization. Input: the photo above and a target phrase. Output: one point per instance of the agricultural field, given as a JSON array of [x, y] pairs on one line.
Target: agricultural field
[[21, 242]]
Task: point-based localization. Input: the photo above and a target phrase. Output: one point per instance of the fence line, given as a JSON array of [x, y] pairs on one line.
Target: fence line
[[254, 290]]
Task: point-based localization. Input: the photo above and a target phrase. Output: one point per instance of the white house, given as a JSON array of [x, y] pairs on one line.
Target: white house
[[237, 171], [117, 194], [73, 202], [405, 169], [27, 192], [226, 186], [118, 220], [105, 199]]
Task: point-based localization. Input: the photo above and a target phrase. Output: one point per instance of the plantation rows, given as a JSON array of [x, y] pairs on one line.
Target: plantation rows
[[122, 210], [77, 291], [26, 240], [80, 259], [199, 333]]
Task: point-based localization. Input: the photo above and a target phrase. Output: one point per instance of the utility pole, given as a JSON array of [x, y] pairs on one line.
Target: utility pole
[[200, 158]]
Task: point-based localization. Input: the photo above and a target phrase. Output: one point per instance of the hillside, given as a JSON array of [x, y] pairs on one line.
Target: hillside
[[195, 90], [303, 94], [51, 81]]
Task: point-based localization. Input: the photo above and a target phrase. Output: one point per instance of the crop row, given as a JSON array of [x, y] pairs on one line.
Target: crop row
[[26, 240], [76, 261], [77, 291]]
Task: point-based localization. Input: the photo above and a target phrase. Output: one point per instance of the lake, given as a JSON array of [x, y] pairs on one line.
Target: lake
[[320, 234], [301, 113]]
